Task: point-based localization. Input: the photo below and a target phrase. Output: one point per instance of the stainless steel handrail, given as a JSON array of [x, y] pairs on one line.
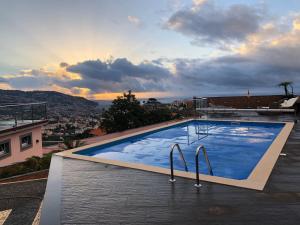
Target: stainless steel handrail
[[171, 161], [197, 164]]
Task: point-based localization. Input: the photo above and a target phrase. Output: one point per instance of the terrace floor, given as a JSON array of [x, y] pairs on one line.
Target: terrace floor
[[83, 192], [22, 200]]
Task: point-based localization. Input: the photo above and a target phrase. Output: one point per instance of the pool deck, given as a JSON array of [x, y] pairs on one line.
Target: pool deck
[[83, 192]]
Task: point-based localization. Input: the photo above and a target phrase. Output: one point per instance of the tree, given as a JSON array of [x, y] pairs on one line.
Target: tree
[[152, 103], [124, 113], [69, 143], [285, 85], [157, 115]]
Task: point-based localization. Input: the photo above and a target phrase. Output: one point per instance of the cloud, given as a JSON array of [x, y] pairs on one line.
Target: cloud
[[95, 69], [119, 75], [63, 64], [259, 71], [145, 70], [29, 83], [38, 79], [94, 76], [207, 23], [275, 46], [264, 59], [229, 75], [59, 73], [134, 20], [5, 86]]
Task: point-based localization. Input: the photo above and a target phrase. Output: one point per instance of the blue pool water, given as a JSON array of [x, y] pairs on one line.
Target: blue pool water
[[233, 148]]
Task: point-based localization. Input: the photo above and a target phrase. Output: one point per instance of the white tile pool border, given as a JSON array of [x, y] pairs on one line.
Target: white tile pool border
[[256, 180]]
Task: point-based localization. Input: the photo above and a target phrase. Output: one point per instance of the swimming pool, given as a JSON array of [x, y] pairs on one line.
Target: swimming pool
[[233, 148]]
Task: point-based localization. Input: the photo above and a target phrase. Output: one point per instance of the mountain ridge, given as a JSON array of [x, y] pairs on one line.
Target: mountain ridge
[[57, 103]]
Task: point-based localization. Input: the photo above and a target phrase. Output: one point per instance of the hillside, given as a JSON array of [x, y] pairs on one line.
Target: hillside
[[57, 103]]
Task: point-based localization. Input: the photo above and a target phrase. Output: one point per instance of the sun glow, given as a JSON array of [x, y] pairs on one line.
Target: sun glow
[[296, 24], [113, 95], [5, 86]]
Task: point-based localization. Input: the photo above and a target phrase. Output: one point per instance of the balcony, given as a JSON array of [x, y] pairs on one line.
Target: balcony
[[13, 116]]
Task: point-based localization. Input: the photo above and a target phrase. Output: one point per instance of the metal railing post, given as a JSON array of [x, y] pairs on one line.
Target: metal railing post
[[16, 120], [22, 113], [188, 134], [46, 111], [32, 113]]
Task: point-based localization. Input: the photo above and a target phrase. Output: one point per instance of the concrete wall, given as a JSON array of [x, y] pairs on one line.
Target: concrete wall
[[18, 155]]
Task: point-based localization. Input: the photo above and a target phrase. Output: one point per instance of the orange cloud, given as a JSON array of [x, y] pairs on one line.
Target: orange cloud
[[58, 88], [5, 86], [59, 72], [76, 91], [296, 24], [85, 92]]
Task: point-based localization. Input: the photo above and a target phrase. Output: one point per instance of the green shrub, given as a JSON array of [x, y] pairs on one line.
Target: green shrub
[[31, 164], [45, 161]]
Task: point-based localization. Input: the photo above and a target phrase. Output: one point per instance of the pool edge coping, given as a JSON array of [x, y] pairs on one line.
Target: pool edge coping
[[256, 180]]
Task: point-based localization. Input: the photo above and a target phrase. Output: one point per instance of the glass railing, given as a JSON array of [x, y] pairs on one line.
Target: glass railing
[[14, 115]]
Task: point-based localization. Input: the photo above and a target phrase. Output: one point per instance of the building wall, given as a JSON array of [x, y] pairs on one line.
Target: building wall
[[246, 102], [18, 155]]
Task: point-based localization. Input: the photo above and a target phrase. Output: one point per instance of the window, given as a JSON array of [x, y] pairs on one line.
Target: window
[[4, 148], [26, 141]]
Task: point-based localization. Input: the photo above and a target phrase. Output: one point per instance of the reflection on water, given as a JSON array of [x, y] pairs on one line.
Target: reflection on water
[[233, 149]]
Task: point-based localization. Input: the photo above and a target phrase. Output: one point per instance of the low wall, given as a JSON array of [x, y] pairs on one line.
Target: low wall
[[245, 102]]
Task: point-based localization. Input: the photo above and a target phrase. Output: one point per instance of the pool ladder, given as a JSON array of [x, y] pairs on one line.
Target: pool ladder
[[171, 161], [201, 147]]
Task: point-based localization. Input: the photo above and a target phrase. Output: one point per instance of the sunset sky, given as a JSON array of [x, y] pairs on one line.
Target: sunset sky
[[157, 48]]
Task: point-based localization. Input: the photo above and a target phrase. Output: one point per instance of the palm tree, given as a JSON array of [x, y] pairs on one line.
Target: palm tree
[[285, 85], [69, 143]]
